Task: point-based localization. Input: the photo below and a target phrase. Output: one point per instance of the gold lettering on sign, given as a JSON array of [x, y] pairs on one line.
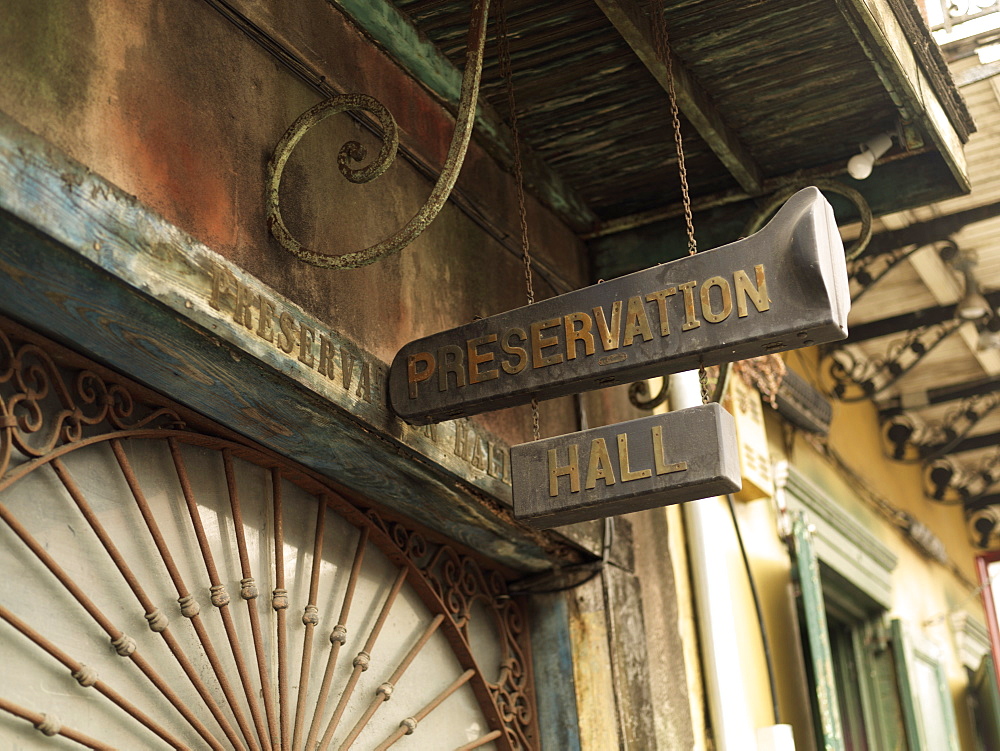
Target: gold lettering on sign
[[660, 460], [555, 342], [600, 467], [571, 470], [636, 322], [627, 474], [706, 300], [476, 359], [609, 336], [690, 316], [660, 298], [510, 349], [538, 343], [354, 373], [744, 289], [582, 334]]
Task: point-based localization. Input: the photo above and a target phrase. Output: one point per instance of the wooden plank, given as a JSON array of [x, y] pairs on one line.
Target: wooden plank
[[636, 29], [421, 59], [132, 290], [882, 37], [558, 722], [629, 659]]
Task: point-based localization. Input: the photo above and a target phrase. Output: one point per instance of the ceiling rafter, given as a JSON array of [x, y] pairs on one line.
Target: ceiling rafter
[[907, 321], [932, 230], [637, 31], [941, 395]]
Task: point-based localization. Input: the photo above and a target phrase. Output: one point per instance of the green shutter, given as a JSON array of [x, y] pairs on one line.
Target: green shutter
[[883, 713], [987, 708], [812, 614], [928, 711]]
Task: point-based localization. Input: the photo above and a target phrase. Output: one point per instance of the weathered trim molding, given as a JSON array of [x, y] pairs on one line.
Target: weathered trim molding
[[108, 275], [971, 638], [842, 542]]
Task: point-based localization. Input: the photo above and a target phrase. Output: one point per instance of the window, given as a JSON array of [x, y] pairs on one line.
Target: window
[[876, 686]]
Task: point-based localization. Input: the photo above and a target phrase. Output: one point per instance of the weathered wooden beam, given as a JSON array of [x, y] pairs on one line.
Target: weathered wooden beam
[[394, 32], [905, 322], [931, 231], [883, 37], [915, 179], [637, 30], [87, 264], [940, 395]]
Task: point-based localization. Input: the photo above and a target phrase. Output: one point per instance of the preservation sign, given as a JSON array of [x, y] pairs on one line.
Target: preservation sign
[[781, 288], [653, 461]]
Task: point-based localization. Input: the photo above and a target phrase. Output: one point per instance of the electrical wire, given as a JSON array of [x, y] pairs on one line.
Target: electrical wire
[[765, 642]]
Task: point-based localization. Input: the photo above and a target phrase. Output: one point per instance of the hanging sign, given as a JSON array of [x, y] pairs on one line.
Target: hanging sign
[[781, 288], [653, 461]]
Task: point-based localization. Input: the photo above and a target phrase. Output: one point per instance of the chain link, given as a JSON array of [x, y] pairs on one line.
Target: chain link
[[507, 73], [662, 42]]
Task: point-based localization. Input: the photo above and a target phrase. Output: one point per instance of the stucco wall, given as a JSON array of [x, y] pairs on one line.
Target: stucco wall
[[176, 106]]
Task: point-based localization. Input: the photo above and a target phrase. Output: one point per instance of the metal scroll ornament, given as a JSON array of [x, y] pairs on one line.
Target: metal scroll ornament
[[857, 378], [911, 440], [352, 151]]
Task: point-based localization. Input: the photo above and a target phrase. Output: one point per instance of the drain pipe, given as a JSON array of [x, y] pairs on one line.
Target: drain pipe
[[718, 623]]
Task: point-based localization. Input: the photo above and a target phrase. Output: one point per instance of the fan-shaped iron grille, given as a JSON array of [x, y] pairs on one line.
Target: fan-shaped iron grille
[[168, 585]]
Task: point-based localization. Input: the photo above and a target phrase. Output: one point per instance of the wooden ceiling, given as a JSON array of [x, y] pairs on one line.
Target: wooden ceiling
[[771, 93]]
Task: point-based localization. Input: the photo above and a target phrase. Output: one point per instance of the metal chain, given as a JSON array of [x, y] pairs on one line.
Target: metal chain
[[662, 42], [507, 74]]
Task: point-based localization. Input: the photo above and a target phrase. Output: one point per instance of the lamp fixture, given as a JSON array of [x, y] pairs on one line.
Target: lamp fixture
[[860, 165], [973, 306]]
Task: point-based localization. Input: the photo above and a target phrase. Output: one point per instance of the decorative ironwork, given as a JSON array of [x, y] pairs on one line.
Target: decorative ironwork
[[917, 441], [867, 270], [57, 414], [780, 196], [45, 411], [950, 482], [638, 394], [856, 378], [960, 11], [983, 525], [354, 151]]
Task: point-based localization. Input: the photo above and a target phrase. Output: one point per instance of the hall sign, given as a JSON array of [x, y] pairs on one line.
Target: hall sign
[[781, 288], [636, 465]]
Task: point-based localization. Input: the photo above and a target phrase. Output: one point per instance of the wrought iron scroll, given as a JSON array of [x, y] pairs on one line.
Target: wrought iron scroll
[[638, 394], [779, 197], [960, 11], [460, 582], [46, 410], [913, 441], [950, 482], [866, 271], [354, 151], [53, 403], [856, 378]]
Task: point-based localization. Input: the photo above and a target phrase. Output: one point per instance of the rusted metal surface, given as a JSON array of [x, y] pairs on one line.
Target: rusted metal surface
[[353, 151]]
